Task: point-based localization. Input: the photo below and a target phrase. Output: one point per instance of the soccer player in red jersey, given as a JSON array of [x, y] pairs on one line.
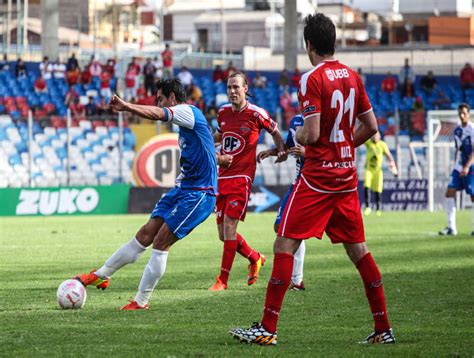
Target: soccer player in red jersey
[[324, 198], [239, 126]]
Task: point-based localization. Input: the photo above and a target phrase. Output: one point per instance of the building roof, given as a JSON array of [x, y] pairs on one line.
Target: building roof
[[238, 16]]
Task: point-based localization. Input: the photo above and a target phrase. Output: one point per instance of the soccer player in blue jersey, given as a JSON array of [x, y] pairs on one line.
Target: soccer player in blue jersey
[[297, 151], [462, 176], [182, 208]]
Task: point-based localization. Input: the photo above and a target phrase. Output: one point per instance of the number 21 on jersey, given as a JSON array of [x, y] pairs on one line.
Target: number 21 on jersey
[[337, 100]]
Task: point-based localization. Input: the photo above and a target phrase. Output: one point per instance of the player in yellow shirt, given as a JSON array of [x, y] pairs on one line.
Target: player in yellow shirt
[[376, 149]]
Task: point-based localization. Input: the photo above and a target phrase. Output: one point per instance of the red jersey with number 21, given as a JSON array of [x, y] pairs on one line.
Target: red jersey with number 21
[[240, 133], [337, 93]]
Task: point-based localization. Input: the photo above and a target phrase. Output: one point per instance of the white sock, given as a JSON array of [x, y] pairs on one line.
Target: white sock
[[297, 275], [127, 254], [154, 270], [451, 211]]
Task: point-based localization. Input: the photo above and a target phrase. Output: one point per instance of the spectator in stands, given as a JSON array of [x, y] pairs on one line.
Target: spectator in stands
[[218, 75], [110, 67], [149, 76], [72, 75], [46, 68], [201, 105], [389, 83], [78, 111], [259, 81], [185, 77], [467, 76], [284, 79], [4, 64], [59, 70], [102, 106], [295, 79], [167, 56], [194, 93], [230, 70], [406, 74], [95, 68], [130, 83], [429, 83], [105, 89], [212, 110], [418, 105], [86, 75], [361, 75], [408, 89], [144, 99], [40, 85], [91, 107], [71, 96], [72, 62], [20, 69], [158, 63], [442, 101]]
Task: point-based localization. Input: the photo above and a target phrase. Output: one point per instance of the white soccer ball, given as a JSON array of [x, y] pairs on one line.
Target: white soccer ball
[[71, 294]]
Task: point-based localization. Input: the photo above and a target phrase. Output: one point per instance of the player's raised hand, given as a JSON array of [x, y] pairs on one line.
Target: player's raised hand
[[297, 151], [225, 160], [281, 157], [117, 104]]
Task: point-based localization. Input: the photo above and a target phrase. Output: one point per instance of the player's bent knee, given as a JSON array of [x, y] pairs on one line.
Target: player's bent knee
[[164, 239], [356, 251]]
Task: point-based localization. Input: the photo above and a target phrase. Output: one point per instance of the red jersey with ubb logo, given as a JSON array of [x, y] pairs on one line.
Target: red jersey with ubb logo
[[337, 93], [240, 133]]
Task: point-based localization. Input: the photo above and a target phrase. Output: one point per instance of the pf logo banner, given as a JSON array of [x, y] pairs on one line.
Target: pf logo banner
[[157, 162], [233, 143]]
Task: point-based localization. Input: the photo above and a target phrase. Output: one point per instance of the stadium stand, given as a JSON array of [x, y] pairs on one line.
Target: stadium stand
[[94, 150]]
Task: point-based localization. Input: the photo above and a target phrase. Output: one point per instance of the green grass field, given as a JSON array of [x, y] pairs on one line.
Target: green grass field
[[428, 283]]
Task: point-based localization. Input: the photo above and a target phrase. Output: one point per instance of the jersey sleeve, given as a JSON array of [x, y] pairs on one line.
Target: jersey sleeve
[[181, 115], [219, 120], [363, 103], [266, 122], [310, 95]]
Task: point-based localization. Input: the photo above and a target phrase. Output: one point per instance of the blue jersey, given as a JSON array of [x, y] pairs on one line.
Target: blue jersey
[[464, 140], [198, 154], [296, 121]]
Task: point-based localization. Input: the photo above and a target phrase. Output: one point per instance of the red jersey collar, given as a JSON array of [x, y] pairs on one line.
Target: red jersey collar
[[243, 108]]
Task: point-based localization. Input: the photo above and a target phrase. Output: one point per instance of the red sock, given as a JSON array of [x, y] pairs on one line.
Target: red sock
[[276, 289], [245, 250], [374, 290], [230, 247]]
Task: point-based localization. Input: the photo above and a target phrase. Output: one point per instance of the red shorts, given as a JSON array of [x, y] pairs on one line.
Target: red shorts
[[310, 213], [233, 198]]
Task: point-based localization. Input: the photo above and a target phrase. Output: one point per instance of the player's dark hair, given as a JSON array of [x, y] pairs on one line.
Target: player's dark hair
[[242, 75], [172, 85], [464, 105], [320, 32]]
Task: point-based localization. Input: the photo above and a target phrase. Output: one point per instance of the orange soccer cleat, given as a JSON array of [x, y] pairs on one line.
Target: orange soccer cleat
[[91, 279], [218, 286], [134, 306], [254, 269]]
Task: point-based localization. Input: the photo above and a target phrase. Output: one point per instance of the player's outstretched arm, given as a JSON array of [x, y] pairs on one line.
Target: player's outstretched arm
[[217, 138], [150, 112], [266, 154], [366, 129]]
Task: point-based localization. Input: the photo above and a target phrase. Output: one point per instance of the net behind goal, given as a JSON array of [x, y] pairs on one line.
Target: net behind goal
[[441, 125]]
